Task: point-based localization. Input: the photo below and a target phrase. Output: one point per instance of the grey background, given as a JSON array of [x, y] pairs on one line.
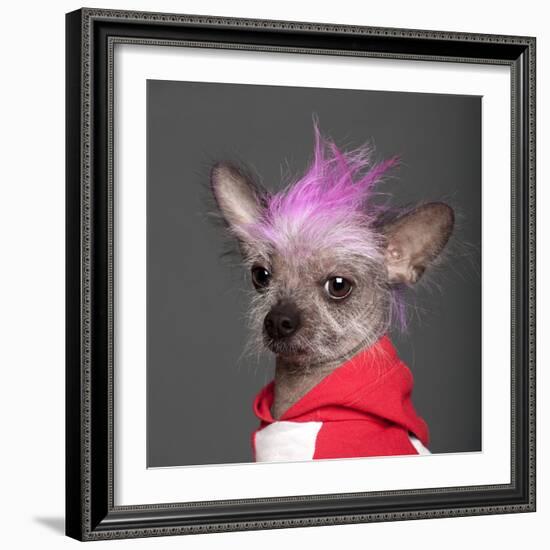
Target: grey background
[[200, 387]]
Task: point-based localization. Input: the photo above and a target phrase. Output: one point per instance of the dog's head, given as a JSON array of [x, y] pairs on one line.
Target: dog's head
[[325, 261]]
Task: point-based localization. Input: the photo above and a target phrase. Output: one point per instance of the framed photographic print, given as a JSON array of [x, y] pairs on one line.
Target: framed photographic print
[[300, 274]]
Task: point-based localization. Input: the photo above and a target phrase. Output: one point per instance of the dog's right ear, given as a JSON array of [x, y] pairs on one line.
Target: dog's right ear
[[239, 198], [416, 239]]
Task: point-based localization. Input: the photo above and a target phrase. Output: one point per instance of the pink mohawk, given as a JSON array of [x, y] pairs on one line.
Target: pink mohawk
[[334, 182], [329, 204]]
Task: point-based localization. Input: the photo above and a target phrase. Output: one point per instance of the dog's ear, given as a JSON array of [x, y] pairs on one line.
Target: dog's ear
[[415, 239], [239, 198]]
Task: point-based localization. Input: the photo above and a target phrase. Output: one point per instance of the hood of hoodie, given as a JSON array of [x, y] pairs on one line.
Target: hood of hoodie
[[374, 384]]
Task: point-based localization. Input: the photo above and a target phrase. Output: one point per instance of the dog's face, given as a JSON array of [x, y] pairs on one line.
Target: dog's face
[[324, 269], [314, 304]]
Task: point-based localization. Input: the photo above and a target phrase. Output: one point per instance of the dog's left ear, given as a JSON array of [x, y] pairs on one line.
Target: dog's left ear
[[240, 199], [414, 240]]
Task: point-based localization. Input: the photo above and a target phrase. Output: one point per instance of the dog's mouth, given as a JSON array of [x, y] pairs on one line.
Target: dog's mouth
[[286, 347]]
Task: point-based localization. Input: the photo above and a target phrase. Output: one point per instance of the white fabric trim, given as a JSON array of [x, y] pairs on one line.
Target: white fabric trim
[[417, 444], [286, 441]]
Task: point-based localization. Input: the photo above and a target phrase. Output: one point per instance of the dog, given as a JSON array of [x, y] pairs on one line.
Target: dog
[[328, 263]]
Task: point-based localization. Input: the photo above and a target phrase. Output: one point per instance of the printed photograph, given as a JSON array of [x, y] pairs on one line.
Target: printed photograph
[[313, 273]]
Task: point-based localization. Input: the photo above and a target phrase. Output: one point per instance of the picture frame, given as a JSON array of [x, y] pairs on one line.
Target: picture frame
[[92, 512]]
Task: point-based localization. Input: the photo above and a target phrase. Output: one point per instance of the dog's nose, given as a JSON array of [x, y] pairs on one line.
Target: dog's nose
[[282, 321]]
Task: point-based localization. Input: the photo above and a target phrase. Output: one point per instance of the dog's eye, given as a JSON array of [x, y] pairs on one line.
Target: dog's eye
[[260, 277], [338, 287]]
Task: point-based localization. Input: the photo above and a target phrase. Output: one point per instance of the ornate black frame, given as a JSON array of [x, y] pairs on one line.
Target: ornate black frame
[[91, 36]]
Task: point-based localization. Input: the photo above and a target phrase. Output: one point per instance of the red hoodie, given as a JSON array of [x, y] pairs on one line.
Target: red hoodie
[[362, 408]]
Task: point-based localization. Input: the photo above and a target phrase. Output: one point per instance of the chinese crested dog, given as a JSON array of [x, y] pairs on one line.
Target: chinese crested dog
[[328, 263]]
